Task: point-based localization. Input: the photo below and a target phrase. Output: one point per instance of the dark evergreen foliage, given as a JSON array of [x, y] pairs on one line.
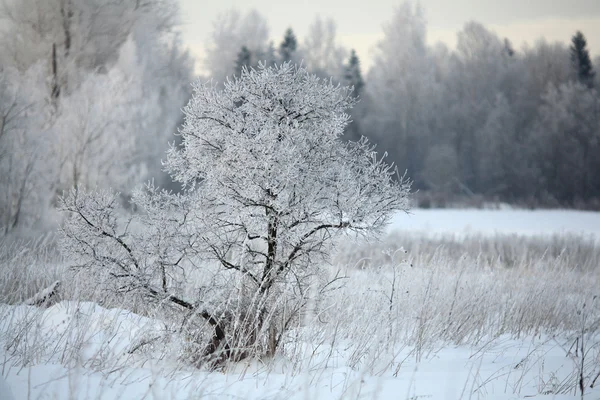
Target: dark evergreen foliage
[[288, 47], [353, 77], [352, 74], [244, 59], [580, 58]]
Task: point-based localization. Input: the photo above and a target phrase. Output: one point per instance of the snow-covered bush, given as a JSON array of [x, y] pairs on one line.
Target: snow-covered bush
[[268, 185], [27, 267]]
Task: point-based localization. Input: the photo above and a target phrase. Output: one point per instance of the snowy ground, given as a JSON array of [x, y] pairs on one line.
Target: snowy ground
[[430, 324], [507, 221], [502, 368]]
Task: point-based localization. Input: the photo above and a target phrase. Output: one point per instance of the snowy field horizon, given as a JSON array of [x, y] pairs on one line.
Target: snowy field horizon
[[505, 220]]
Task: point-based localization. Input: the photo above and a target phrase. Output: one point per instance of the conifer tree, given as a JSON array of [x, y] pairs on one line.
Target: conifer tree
[[352, 74], [353, 77], [244, 59], [580, 58], [288, 47]]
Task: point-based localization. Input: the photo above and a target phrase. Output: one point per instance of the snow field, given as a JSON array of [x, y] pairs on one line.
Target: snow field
[[504, 221], [324, 368], [449, 315]]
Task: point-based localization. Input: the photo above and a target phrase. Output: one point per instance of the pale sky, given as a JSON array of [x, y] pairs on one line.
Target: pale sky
[[359, 23]]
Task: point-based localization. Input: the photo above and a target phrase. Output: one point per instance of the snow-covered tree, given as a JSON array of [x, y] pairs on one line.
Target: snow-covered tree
[[479, 74], [244, 59], [353, 75], [544, 64], [581, 61], [441, 168], [288, 47], [231, 31], [268, 186], [115, 77], [26, 166], [87, 34], [505, 157], [402, 89], [568, 140], [111, 130], [322, 55], [353, 78], [540, 67], [158, 71], [96, 125]]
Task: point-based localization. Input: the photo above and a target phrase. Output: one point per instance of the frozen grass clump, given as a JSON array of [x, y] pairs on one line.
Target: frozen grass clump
[[389, 305], [27, 266], [430, 292], [569, 251]]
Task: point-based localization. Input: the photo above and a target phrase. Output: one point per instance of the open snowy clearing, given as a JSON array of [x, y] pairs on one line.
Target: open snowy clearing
[[505, 221]]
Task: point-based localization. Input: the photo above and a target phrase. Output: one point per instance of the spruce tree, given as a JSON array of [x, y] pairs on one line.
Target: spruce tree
[[244, 59], [352, 74], [580, 58], [269, 56], [287, 48], [353, 77]]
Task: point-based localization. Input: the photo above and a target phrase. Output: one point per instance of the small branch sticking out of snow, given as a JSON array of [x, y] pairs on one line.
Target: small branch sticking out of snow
[[46, 297]]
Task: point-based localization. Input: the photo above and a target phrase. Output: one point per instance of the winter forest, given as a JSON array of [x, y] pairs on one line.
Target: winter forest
[[276, 218], [91, 93], [485, 120]]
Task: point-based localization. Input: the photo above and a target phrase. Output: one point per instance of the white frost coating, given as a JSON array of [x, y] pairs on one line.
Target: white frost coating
[[268, 185], [44, 295], [267, 152]]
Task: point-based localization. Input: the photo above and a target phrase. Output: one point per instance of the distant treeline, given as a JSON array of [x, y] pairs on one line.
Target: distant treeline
[[484, 120], [91, 93]]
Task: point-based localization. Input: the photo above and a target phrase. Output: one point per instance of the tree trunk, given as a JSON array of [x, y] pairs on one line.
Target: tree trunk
[[55, 86], [269, 272]]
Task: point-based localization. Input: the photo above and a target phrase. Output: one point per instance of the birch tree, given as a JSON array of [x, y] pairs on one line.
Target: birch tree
[[25, 168]]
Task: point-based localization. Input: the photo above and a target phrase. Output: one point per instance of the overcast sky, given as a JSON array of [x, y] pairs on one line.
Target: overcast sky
[[359, 23]]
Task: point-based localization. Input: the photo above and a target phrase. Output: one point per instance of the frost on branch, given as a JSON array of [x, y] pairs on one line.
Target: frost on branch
[[268, 186], [267, 153]]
